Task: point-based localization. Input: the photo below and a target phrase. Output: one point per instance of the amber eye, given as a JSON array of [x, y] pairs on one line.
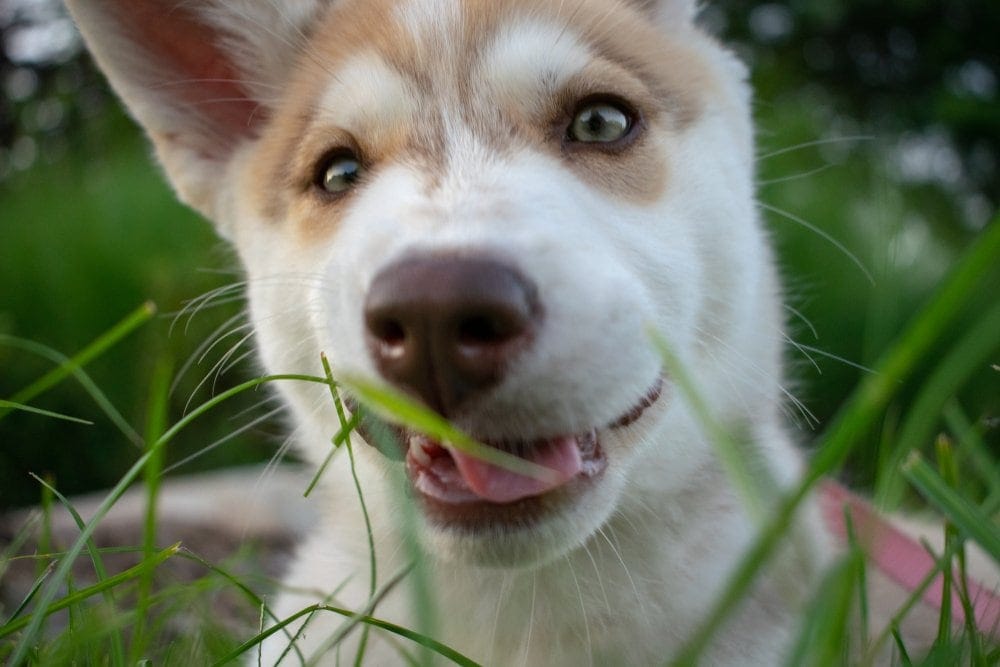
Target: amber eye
[[600, 122], [338, 173]]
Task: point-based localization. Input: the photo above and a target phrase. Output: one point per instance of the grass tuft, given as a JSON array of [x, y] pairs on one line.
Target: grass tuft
[[123, 617]]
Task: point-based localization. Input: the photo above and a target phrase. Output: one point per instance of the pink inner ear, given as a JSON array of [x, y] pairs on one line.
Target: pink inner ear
[[197, 74]]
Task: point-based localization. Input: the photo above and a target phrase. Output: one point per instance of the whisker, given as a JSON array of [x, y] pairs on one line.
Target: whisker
[[236, 361], [817, 142], [229, 436], [846, 362], [198, 355], [799, 315], [222, 362], [628, 573], [216, 365], [813, 228], [583, 609], [531, 618], [804, 351], [795, 177], [194, 306]]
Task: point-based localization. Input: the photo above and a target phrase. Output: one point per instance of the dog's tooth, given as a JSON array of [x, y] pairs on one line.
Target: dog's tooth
[[418, 451]]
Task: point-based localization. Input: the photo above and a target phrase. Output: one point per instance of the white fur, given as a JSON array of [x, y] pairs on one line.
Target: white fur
[[625, 574], [367, 92], [532, 53]]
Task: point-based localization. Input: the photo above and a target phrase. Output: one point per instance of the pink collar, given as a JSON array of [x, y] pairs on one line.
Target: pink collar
[[899, 557]]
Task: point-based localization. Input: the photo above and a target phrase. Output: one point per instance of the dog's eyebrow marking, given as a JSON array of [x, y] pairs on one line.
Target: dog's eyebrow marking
[[366, 92], [429, 21], [522, 57]]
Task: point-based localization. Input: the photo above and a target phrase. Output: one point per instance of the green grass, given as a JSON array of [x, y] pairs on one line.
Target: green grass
[[121, 617], [83, 240], [97, 233]]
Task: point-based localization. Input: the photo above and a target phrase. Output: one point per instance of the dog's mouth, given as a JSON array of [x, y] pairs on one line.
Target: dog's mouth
[[456, 485]]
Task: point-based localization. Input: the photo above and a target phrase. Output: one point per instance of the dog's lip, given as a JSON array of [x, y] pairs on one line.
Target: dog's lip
[[447, 500], [446, 475], [473, 514], [646, 402]]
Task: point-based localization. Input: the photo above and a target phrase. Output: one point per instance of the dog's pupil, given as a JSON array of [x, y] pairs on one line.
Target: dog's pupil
[[600, 123], [341, 174], [595, 123]]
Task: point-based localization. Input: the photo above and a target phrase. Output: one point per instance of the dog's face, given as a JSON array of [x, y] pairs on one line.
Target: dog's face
[[488, 206]]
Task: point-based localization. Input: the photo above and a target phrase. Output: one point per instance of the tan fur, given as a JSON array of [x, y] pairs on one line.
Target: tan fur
[[464, 152], [668, 98]]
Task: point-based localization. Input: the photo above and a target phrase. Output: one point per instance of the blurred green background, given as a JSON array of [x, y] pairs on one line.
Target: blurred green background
[[879, 131]]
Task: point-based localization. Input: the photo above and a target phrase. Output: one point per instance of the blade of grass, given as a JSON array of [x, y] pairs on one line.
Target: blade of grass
[[946, 464], [968, 355], [372, 563], [45, 537], [823, 639], [397, 407], [339, 439], [740, 466], [51, 588], [20, 538], [11, 405], [892, 627], [423, 600], [355, 620], [44, 572], [860, 411], [107, 340], [968, 518], [862, 582], [904, 656], [88, 384], [237, 583], [156, 421], [117, 642], [301, 630], [79, 596], [871, 397], [972, 445], [416, 637]]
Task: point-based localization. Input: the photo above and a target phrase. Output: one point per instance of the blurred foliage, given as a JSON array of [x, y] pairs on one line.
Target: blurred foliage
[[879, 126]]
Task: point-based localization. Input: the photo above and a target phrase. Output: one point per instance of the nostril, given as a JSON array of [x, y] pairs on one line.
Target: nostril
[[485, 331], [389, 332]]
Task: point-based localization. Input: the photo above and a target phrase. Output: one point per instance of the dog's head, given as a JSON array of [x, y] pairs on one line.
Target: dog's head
[[488, 205]]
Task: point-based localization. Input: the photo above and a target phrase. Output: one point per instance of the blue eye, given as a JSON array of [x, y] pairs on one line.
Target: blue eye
[[339, 173], [600, 123]]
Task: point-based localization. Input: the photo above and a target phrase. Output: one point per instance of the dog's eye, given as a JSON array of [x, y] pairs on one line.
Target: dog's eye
[[338, 173], [600, 122]]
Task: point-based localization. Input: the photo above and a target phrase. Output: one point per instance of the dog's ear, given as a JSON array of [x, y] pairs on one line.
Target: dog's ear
[[670, 12], [198, 76]]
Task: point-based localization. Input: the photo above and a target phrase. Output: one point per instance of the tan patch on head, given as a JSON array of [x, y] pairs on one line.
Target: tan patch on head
[[659, 76], [386, 79]]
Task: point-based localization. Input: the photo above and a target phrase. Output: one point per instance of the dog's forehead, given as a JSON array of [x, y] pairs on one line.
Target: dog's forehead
[[514, 71], [443, 83], [455, 46], [445, 46]]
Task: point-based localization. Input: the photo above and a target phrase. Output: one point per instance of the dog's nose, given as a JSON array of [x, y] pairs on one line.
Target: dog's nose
[[447, 326]]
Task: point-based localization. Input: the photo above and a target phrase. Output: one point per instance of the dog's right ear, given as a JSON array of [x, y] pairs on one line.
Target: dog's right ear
[[198, 76]]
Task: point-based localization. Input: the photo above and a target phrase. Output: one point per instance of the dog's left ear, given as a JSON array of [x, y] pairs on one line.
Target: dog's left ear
[[200, 77], [670, 12]]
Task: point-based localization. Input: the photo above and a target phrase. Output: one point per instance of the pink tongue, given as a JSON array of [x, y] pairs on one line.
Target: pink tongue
[[499, 485]]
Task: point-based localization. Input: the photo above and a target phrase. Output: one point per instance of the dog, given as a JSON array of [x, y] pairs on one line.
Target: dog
[[488, 206]]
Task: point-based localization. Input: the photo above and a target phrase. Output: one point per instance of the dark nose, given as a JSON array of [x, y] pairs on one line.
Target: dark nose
[[446, 327]]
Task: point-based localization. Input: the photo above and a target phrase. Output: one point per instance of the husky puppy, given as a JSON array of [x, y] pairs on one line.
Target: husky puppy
[[489, 205]]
